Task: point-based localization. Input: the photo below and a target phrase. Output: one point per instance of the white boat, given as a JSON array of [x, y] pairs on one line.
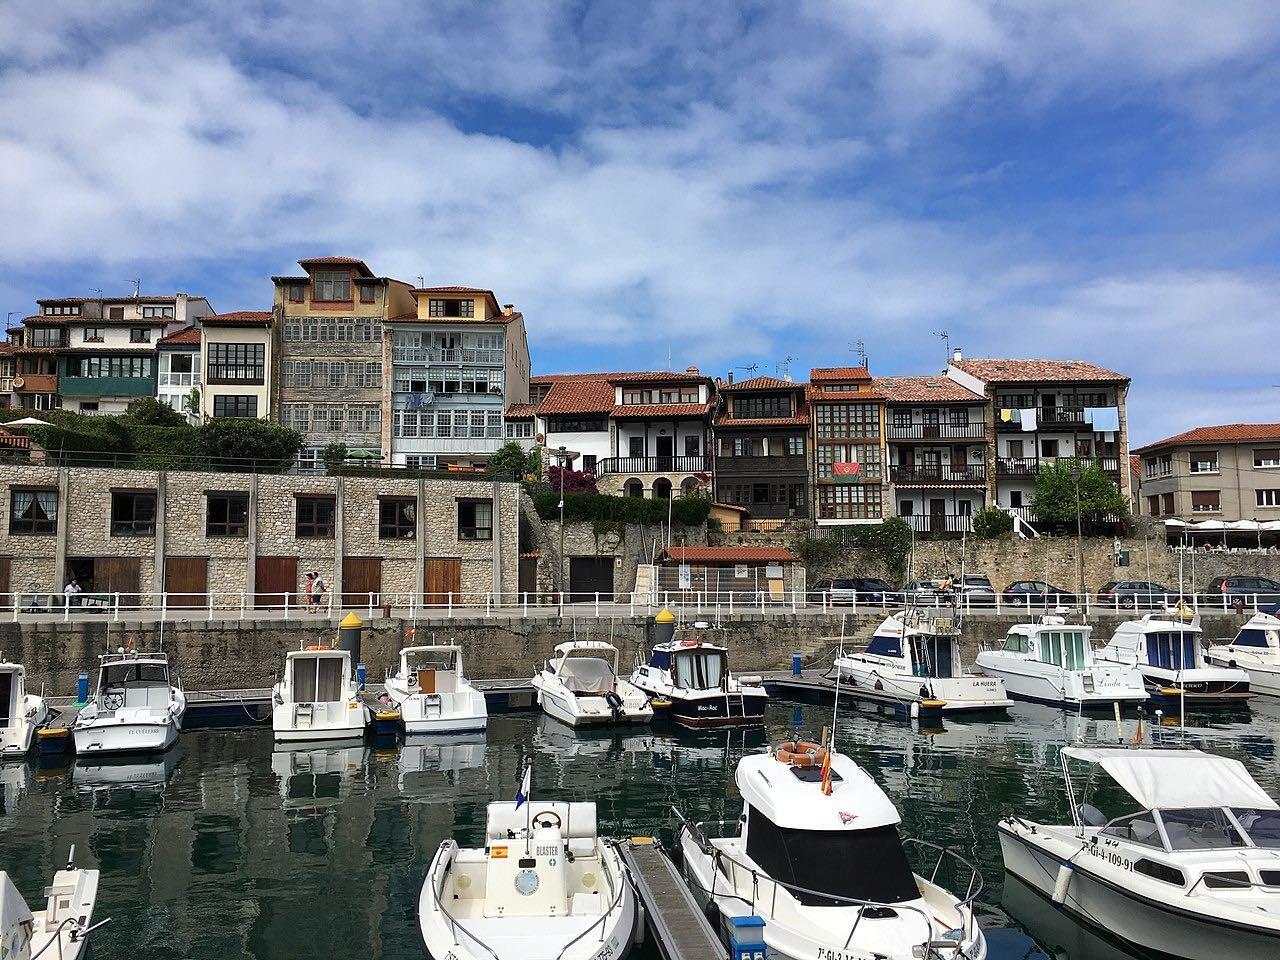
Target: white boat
[[433, 694], [543, 887], [694, 677], [1196, 874], [1168, 655], [318, 697], [580, 686], [1255, 650], [1052, 662], [137, 707], [829, 874], [59, 931], [914, 657], [21, 713]]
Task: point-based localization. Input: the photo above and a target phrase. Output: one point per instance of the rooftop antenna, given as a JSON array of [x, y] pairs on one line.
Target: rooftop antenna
[[860, 348], [97, 290], [945, 337], [749, 368], [422, 281], [784, 368], [137, 286]]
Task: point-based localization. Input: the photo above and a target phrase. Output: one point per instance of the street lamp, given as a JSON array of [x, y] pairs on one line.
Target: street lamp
[[563, 453]]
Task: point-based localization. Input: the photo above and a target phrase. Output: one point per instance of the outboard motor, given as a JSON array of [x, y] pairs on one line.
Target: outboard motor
[[615, 703]]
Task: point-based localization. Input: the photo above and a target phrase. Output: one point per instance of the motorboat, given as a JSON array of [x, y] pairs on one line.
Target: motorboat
[[1168, 655], [21, 713], [1255, 649], [318, 697], [1194, 874], [694, 677], [432, 692], [61, 929], [816, 854], [914, 658], [1052, 662], [544, 886], [137, 707], [580, 686]]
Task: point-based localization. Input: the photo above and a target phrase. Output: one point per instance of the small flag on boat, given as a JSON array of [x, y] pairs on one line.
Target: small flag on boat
[[522, 795], [826, 772], [1137, 737]]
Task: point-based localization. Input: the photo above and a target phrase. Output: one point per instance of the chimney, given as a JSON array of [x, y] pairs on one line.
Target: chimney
[[730, 380], [508, 309], [692, 370], [956, 355]]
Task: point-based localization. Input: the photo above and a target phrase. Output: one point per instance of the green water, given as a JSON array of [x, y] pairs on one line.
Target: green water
[[228, 848]]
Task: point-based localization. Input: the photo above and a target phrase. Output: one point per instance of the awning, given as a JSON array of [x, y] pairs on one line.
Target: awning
[[1177, 779]]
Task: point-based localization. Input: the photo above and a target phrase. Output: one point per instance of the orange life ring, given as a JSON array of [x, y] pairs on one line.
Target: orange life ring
[[801, 753], [688, 643], [316, 646]]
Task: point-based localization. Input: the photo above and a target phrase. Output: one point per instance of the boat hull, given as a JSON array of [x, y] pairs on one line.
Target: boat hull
[[1157, 926], [712, 708], [565, 707], [958, 694], [1264, 678], [445, 725], [133, 737], [1068, 692]]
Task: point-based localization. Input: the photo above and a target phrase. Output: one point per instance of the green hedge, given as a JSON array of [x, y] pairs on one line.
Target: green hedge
[[601, 508]]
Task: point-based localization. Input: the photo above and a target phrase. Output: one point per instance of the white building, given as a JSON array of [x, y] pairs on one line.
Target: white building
[[178, 380]]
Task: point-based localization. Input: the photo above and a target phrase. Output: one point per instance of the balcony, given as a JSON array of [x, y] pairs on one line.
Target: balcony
[[108, 387], [940, 523], [35, 383], [1050, 418], [179, 379], [758, 466], [699, 464], [486, 356], [937, 431], [1017, 466], [972, 475]]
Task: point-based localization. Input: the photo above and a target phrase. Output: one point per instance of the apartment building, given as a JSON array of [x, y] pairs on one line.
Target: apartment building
[[178, 377], [459, 361], [641, 433], [331, 320], [8, 367], [1226, 472], [847, 437], [761, 448], [1043, 411], [237, 359], [97, 354], [938, 435]]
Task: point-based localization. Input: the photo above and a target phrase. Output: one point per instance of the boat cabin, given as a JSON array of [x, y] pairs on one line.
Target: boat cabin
[[929, 646], [587, 668], [12, 692], [693, 665], [318, 676], [433, 669], [1157, 642], [1262, 632], [133, 680], [1056, 643]]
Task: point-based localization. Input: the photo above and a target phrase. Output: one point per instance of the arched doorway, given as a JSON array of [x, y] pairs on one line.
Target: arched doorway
[[662, 488], [689, 486], [633, 488]]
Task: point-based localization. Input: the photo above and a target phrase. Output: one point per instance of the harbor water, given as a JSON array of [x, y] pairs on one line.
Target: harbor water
[[229, 847]]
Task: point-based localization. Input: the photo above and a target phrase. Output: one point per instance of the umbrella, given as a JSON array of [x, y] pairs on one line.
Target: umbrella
[[1175, 523], [27, 422]]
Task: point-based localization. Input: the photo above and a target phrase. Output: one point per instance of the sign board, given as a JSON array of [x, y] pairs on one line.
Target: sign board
[[686, 577], [773, 571], [740, 571]]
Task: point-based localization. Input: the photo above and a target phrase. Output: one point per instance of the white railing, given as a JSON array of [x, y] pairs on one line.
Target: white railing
[[700, 604]]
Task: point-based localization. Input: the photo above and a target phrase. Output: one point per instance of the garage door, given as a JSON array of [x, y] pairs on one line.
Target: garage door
[[361, 581], [186, 580], [589, 576], [273, 578]]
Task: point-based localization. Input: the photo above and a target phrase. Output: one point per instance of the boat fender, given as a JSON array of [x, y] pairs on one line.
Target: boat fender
[[1064, 880], [801, 753]]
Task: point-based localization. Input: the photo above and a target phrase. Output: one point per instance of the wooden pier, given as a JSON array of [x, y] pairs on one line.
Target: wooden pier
[[677, 923]]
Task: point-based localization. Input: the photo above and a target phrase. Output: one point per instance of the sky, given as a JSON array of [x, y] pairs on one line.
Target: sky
[[754, 187]]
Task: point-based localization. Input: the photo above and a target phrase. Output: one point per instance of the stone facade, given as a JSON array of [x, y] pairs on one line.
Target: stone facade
[[38, 562]]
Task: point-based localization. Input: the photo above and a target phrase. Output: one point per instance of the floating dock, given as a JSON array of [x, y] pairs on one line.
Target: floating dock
[[675, 920], [812, 687]]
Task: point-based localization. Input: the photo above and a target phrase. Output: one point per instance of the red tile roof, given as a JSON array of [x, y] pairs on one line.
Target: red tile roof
[[730, 422], [241, 318], [633, 411], [520, 411], [1225, 433], [925, 390], [729, 555], [344, 261], [839, 373], [578, 396], [762, 383], [629, 376], [189, 336], [826, 394], [1031, 371], [452, 290]]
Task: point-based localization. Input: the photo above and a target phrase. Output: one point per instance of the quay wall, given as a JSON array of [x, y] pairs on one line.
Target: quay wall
[[230, 654]]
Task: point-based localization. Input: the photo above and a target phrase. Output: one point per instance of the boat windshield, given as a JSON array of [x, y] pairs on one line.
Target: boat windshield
[[700, 669], [1172, 649], [1262, 826], [119, 674], [1252, 637], [872, 863], [1016, 643], [431, 660], [1063, 648], [1200, 829]]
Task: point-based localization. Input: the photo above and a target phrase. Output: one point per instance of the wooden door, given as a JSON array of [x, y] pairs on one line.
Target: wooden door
[[116, 575], [589, 577], [528, 575], [6, 566], [441, 576], [938, 515], [186, 580], [274, 578], [361, 576]]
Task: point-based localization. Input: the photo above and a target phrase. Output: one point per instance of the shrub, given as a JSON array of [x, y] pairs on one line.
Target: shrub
[[991, 523], [335, 455], [512, 460], [150, 411], [575, 481]]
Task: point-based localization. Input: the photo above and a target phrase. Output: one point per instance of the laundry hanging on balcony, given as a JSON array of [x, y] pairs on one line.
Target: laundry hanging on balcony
[[1027, 417], [1104, 419], [1008, 416]]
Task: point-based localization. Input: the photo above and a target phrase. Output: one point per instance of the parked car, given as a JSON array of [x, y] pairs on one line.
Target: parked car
[[854, 590], [1037, 593], [973, 590], [1260, 590], [834, 591], [921, 591], [875, 590], [1131, 594]]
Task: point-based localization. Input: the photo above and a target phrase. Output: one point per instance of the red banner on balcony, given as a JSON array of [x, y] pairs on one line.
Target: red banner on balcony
[[850, 472]]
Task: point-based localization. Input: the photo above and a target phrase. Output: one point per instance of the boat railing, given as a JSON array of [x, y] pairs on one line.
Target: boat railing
[[437, 880], [614, 903], [931, 944]]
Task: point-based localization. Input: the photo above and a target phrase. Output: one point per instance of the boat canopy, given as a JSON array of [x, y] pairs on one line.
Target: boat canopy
[[13, 912], [1177, 779], [1262, 630], [790, 796]]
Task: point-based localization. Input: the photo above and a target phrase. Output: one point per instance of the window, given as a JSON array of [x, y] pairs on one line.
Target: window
[[1204, 461], [226, 515], [835, 420], [1159, 871], [902, 419], [236, 406], [62, 310], [1048, 448], [140, 335], [366, 292], [333, 330], [849, 502], [119, 367], [397, 518], [314, 517], [1015, 498], [475, 519], [589, 462], [662, 395], [1166, 503], [93, 335], [1268, 498], [757, 408], [1153, 506], [795, 446], [297, 292], [1268, 457], [519, 429], [635, 447], [33, 511], [236, 362], [332, 286], [182, 362], [580, 425], [692, 445], [452, 308], [1205, 501], [166, 312], [133, 513], [115, 313], [45, 337]]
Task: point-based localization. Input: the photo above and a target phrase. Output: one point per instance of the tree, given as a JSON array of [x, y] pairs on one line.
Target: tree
[[1054, 501], [151, 412], [228, 441], [512, 460], [335, 455], [991, 523]]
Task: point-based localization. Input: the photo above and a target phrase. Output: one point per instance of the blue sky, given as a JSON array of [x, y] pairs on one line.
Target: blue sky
[[725, 185]]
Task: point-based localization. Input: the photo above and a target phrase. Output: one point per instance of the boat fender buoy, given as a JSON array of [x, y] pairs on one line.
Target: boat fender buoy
[[801, 753], [1064, 880]]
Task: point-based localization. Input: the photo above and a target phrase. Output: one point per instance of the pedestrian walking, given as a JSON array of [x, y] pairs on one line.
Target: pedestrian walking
[[308, 590], [318, 590]]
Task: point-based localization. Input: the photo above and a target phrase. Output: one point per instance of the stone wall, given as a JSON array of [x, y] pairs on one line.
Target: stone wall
[[38, 562], [229, 654]]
